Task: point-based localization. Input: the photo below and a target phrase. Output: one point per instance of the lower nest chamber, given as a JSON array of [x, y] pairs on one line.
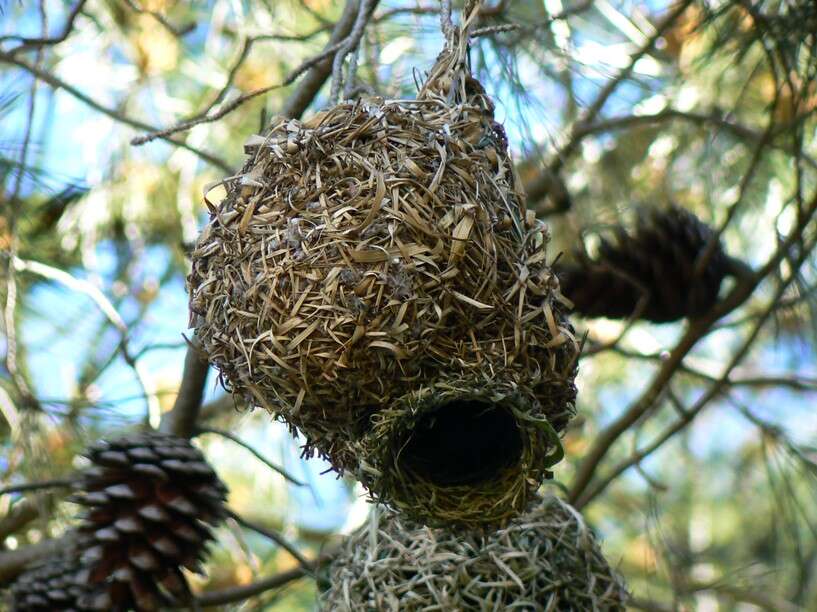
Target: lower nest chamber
[[546, 559]]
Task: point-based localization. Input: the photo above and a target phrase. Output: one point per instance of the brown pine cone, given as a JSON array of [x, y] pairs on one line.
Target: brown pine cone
[[152, 499], [56, 584], [654, 268]]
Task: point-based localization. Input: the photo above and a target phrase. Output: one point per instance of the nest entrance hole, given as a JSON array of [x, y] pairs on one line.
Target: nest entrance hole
[[462, 442]]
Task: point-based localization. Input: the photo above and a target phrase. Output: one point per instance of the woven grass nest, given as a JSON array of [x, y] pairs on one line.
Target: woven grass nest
[[545, 559], [372, 273]]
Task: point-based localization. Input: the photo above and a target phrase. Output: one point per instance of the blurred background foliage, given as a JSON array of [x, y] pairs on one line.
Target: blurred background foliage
[[609, 105]]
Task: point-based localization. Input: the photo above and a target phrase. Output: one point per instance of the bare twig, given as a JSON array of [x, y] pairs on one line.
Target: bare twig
[[311, 84], [58, 83], [37, 486], [255, 453], [546, 181], [27, 44], [234, 104], [276, 537], [209, 118], [349, 44], [181, 419], [159, 346], [334, 49], [612, 85], [495, 29], [549, 177], [698, 118], [240, 593], [242, 56], [798, 383], [350, 87], [175, 30], [446, 24]]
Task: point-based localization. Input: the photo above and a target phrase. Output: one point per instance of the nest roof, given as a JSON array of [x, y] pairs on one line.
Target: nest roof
[[379, 244]]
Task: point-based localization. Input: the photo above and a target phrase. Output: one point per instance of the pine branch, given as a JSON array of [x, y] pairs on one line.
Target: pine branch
[[37, 486], [181, 419], [612, 85], [107, 308], [57, 83], [311, 84], [690, 414]]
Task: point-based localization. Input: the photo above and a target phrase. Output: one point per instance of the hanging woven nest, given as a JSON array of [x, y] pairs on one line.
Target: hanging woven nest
[[374, 279], [546, 559]]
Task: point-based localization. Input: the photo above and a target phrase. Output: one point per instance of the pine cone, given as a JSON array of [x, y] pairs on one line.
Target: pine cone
[[151, 500], [657, 263], [54, 585]]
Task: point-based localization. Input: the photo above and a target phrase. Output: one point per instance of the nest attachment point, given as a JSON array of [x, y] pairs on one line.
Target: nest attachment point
[[375, 259], [546, 559]]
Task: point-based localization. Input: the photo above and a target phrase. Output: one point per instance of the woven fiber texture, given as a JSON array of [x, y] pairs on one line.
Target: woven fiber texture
[[545, 559], [378, 257]]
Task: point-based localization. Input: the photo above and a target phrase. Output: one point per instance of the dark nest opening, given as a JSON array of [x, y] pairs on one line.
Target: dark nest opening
[[462, 453], [462, 442]]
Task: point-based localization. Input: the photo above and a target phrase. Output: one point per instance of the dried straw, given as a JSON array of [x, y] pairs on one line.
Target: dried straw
[[374, 257], [546, 559]]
